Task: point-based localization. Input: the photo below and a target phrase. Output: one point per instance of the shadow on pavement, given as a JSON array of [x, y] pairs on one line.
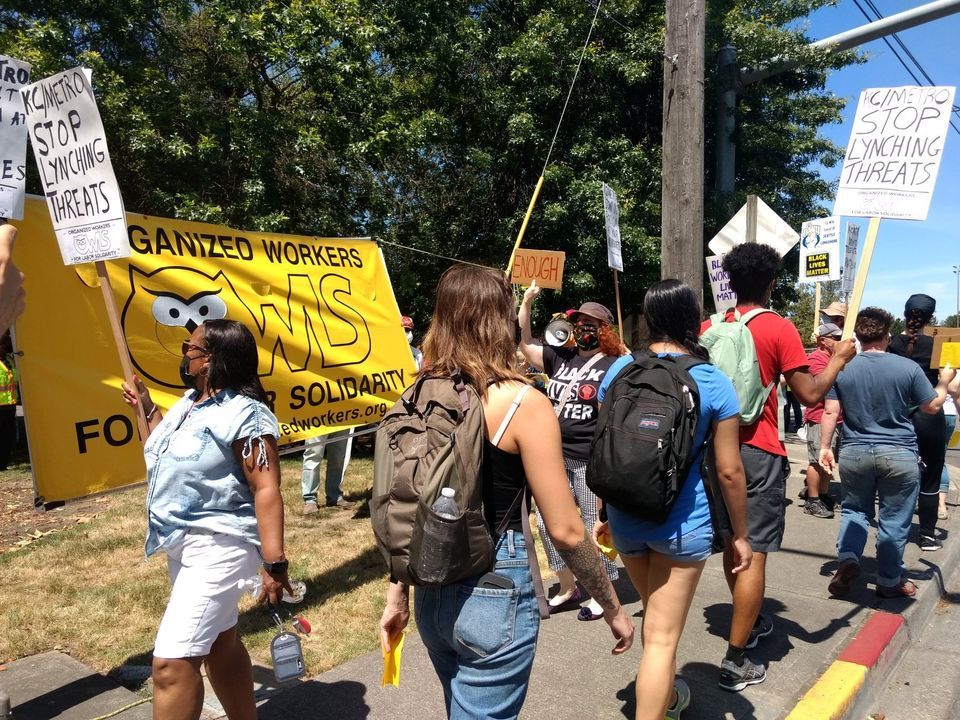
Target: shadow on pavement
[[343, 700]]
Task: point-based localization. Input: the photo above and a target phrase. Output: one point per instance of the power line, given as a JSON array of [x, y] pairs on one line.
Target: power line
[[906, 50]]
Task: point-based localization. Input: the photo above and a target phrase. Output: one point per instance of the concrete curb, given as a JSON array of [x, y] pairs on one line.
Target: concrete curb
[[852, 683]]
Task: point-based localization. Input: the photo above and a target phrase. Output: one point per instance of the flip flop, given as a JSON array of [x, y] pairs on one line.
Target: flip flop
[[586, 614], [568, 604]]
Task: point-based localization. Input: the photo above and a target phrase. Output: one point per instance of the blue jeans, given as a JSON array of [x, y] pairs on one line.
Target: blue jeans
[[338, 456], [891, 475], [482, 640]]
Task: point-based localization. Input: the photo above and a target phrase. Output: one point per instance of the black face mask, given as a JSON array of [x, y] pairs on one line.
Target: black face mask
[[586, 340], [189, 381]]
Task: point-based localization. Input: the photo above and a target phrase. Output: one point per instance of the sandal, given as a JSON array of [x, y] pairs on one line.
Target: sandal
[[586, 614], [573, 601], [904, 589]]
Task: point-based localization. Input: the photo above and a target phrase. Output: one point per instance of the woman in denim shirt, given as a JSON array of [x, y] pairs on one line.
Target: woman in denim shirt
[[214, 507]]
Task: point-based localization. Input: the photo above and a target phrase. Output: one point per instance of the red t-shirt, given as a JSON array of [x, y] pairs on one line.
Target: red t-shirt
[[817, 360], [779, 350]]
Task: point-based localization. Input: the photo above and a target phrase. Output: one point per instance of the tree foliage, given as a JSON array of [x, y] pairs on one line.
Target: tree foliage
[[426, 123]]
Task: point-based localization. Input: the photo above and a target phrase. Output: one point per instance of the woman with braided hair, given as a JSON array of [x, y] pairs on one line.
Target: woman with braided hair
[[931, 429]]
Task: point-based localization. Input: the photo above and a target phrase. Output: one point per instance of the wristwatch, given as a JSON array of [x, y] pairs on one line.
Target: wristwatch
[[275, 568]]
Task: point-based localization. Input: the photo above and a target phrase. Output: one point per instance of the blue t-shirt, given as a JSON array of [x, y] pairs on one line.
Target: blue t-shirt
[[876, 391], [718, 401]]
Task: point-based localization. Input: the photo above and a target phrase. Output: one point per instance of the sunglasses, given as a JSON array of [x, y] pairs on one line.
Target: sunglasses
[[185, 346]]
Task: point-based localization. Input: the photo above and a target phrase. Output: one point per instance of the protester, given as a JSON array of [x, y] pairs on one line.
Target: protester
[[950, 417], [406, 322], [575, 374], [214, 507], [337, 446], [791, 407], [836, 313], [9, 397], [482, 641], [752, 268], [665, 561], [817, 489], [931, 429], [878, 462], [12, 294]]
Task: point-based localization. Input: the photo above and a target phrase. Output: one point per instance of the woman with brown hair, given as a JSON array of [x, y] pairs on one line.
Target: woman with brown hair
[[931, 429], [481, 641], [575, 375]]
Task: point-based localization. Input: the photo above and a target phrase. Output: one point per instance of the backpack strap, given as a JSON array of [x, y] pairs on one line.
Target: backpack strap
[[521, 498], [747, 317]]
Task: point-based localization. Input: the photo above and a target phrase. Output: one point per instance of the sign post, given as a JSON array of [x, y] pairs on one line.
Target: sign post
[[611, 217]]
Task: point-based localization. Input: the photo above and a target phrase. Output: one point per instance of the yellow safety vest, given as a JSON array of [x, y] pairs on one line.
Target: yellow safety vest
[[8, 382]]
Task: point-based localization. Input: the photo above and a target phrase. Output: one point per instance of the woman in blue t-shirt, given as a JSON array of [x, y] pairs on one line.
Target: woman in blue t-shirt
[[664, 561]]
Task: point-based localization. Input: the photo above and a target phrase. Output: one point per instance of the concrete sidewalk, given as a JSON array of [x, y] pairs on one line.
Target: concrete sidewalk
[[575, 676]]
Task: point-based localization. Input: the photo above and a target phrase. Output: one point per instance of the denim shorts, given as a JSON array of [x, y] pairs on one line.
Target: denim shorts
[[694, 546]]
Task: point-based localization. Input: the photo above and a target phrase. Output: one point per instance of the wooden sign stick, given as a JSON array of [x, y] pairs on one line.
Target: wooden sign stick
[[616, 291], [816, 309], [860, 280], [120, 340]]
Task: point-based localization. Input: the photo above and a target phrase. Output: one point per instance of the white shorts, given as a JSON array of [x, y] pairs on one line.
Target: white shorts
[[205, 572]]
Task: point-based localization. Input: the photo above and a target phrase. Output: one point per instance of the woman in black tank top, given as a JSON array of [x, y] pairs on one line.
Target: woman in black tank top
[[481, 633]]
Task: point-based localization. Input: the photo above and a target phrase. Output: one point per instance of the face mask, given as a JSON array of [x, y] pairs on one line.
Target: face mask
[[189, 381], [409, 337], [586, 339]]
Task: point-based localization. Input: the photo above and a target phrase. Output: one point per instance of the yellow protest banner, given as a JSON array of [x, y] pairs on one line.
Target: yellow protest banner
[[332, 352]]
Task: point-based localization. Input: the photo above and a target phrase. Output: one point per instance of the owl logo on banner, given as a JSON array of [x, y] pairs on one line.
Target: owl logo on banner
[[163, 309]]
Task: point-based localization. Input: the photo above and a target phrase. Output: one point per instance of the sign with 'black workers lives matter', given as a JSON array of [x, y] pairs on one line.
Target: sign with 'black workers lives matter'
[[894, 152], [14, 74], [70, 147]]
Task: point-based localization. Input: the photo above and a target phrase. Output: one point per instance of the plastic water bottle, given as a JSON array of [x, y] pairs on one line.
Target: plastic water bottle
[[254, 584], [439, 538]]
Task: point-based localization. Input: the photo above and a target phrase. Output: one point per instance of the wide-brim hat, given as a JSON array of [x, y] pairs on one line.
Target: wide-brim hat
[[835, 309], [593, 310]]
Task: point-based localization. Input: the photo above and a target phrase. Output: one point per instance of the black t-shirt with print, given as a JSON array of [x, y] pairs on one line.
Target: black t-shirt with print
[[578, 419]]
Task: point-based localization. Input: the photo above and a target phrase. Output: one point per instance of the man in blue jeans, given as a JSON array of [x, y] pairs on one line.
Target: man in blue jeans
[[877, 391]]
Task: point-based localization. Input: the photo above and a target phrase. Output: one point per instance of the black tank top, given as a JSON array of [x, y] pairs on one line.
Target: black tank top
[[503, 476]]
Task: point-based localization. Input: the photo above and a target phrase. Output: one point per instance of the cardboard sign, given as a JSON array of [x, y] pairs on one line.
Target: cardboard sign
[[611, 218], [894, 152], [723, 297], [820, 250], [70, 147], [850, 259], [332, 354], [544, 266], [14, 75], [946, 344], [772, 230]]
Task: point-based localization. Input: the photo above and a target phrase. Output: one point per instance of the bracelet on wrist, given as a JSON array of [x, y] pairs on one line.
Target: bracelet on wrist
[[150, 414]]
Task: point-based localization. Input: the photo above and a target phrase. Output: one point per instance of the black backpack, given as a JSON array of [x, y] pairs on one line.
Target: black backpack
[[643, 446]]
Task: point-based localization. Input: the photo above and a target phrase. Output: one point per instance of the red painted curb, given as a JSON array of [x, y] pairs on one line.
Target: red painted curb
[[874, 637]]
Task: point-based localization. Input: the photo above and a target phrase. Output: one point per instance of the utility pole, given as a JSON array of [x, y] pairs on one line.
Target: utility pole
[[956, 318], [681, 244]]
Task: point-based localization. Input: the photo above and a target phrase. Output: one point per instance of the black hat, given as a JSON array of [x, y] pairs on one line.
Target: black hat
[[924, 304]]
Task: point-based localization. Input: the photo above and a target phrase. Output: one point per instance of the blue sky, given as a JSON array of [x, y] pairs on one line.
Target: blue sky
[[909, 257]]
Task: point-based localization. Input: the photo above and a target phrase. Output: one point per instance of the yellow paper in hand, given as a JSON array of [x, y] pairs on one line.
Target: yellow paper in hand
[[606, 545], [391, 663]]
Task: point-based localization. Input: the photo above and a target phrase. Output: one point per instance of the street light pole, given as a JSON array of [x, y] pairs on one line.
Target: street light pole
[[956, 318]]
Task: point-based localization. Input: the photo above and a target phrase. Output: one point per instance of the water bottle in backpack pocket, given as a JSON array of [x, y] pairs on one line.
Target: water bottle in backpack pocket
[[437, 535]]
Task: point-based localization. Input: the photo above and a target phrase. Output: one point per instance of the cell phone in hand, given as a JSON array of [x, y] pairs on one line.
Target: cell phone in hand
[[499, 582]]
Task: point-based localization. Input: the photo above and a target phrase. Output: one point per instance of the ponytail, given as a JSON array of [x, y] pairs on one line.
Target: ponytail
[[692, 343], [915, 320]]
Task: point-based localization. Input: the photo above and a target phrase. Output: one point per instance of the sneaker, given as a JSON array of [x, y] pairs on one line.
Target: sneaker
[[829, 501], [943, 514], [843, 578], [904, 589], [803, 491], [817, 508], [342, 504], [929, 543], [310, 508], [735, 677], [761, 628], [683, 699]]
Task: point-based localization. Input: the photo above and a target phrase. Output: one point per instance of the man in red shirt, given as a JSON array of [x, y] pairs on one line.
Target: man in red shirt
[[816, 493], [752, 268]]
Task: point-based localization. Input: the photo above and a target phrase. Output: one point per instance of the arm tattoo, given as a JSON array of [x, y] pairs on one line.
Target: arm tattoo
[[584, 560]]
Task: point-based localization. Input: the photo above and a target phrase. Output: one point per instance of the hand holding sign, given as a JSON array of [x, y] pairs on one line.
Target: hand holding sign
[[12, 294]]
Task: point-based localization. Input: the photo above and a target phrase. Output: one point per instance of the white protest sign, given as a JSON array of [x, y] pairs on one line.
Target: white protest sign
[[894, 152], [70, 146], [14, 75], [821, 254], [723, 297], [850, 259], [772, 230], [611, 217]]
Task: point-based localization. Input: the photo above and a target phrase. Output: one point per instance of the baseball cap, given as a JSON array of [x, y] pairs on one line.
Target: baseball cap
[[407, 322], [828, 329], [594, 310]]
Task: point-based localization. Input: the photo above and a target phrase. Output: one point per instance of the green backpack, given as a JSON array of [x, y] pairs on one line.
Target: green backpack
[[732, 350]]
